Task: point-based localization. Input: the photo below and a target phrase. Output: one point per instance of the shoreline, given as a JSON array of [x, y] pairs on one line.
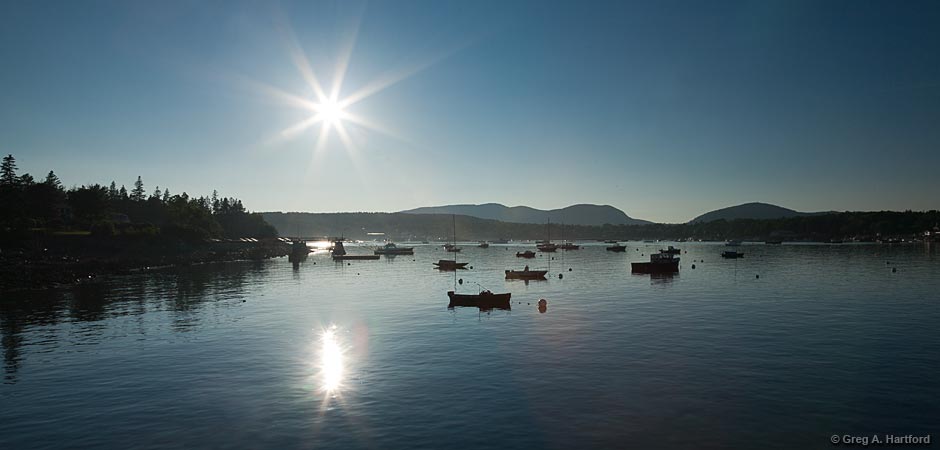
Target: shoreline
[[52, 268]]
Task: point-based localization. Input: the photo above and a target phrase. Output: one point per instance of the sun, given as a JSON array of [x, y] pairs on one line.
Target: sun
[[330, 111], [327, 109]]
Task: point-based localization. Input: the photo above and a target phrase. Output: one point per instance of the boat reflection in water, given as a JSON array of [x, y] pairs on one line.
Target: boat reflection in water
[[662, 278]]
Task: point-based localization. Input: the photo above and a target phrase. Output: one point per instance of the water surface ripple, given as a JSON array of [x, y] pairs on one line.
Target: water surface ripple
[[827, 340]]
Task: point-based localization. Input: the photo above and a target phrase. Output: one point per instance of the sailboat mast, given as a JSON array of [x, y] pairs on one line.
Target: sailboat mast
[[455, 253], [550, 243]]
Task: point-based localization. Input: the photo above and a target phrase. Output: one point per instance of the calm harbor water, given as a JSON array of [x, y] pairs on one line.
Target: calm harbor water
[[828, 340]]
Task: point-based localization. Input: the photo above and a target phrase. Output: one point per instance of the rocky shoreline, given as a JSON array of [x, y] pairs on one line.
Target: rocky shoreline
[[42, 267]]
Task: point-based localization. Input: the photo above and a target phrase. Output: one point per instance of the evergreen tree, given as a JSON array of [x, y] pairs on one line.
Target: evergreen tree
[[138, 194], [8, 171], [215, 202], [156, 193], [27, 180], [113, 193], [166, 195], [123, 193], [53, 181]]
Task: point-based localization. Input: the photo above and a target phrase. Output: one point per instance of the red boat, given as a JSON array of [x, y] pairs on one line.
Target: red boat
[[659, 263]]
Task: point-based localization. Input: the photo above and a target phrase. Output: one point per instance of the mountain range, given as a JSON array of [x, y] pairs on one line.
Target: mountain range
[[754, 210], [573, 215]]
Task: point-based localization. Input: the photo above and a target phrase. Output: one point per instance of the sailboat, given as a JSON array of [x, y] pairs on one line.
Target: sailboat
[[547, 245], [451, 264], [567, 245], [485, 299]]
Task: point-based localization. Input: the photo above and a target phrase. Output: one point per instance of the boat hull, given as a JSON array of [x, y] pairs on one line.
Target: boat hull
[[527, 255], [401, 251], [732, 255], [617, 248], [450, 265], [354, 257], [481, 300], [526, 275], [649, 267]]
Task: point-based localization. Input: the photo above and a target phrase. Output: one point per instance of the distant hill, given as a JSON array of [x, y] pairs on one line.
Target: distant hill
[[755, 210], [572, 215], [440, 227]]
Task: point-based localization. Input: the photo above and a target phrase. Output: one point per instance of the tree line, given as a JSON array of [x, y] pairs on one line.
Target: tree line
[[29, 206]]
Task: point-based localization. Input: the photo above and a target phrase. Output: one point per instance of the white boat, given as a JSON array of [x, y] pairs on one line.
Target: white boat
[[392, 249]]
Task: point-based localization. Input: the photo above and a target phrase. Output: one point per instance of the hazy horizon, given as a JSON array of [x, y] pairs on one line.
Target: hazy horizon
[[665, 110]]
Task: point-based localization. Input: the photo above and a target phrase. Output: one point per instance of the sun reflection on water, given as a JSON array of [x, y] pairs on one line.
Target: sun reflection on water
[[331, 361]]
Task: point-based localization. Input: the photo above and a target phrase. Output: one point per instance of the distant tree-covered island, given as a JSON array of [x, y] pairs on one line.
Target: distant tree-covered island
[[49, 233]]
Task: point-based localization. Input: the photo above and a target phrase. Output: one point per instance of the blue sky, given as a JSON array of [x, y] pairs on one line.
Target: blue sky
[[663, 109]]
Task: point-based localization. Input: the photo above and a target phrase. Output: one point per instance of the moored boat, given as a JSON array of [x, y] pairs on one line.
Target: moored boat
[[298, 252], [730, 254], [617, 248], [449, 264], [547, 247], [671, 251], [354, 257], [339, 253], [484, 300], [299, 248], [570, 246], [392, 249], [338, 248], [484, 244], [658, 263], [733, 243], [526, 274], [774, 242], [525, 254]]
